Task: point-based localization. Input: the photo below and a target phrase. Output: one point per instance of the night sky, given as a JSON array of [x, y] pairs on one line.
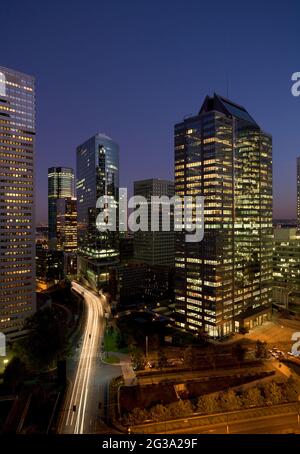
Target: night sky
[[133, 68]]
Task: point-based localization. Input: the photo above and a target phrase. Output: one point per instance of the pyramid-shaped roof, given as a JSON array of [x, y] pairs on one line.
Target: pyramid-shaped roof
[[221, 104]]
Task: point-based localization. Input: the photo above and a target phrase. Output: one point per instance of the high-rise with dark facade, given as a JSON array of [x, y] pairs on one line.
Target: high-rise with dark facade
[[223, 283], [97, 175], [60, 187], [155, 248], [17, 201], [62, 217]]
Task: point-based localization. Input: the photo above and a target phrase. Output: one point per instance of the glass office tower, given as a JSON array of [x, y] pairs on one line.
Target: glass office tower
[[97, 175], [17, 218], [60, 186], [223, 283]]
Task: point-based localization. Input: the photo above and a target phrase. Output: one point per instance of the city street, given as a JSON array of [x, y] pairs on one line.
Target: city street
[[87, 395]]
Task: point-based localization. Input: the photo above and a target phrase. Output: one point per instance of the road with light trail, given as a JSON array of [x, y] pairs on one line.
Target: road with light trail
[[87, 384]]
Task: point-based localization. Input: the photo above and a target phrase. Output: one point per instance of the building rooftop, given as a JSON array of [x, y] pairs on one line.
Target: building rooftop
[[220, 104]]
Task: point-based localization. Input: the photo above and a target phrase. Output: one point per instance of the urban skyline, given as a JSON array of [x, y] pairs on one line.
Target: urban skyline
[[147, 88], [161, 293]]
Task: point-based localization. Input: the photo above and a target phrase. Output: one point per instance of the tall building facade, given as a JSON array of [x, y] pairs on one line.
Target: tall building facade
[[155, 248], [66, 221], [223, 283], [60, 187], [286, 265], [298, 193], [17, 199], [97, 175]]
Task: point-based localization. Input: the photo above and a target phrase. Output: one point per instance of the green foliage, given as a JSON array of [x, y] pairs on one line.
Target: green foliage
[[137, 416], [208, 403], [290, 390], [14, 373], [230, 401], [180, 409], [47, 338], [159, 413], [121, 340], [270, 393], [112, 359], [273, 393], [138, 359], [252, 398]]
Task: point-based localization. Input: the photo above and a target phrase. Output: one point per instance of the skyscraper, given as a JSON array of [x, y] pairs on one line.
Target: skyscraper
[[17, 223], [223, 283], [66, 222], [97, 175], [286, 265], [154, 248], [60, 187], [298, 193]]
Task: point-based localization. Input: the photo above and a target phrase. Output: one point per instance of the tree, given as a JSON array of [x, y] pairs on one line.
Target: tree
[[252, 398], [138, 359], [208, 403], [189, 357], [47, 339], [180, 408], [261, 350], [14, 373], [289, 390], [137, 416], [230, 401], [162, 359], [273, 393], [159, 413], [120, 340]]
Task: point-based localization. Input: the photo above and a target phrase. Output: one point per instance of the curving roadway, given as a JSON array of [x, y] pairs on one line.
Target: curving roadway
[[81, 407]]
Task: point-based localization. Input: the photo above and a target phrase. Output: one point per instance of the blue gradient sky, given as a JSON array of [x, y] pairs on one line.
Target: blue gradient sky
[[133, 68]]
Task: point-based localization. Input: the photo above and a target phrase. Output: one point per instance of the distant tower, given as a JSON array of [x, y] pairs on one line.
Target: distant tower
[[17, 199], [60, 188]]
